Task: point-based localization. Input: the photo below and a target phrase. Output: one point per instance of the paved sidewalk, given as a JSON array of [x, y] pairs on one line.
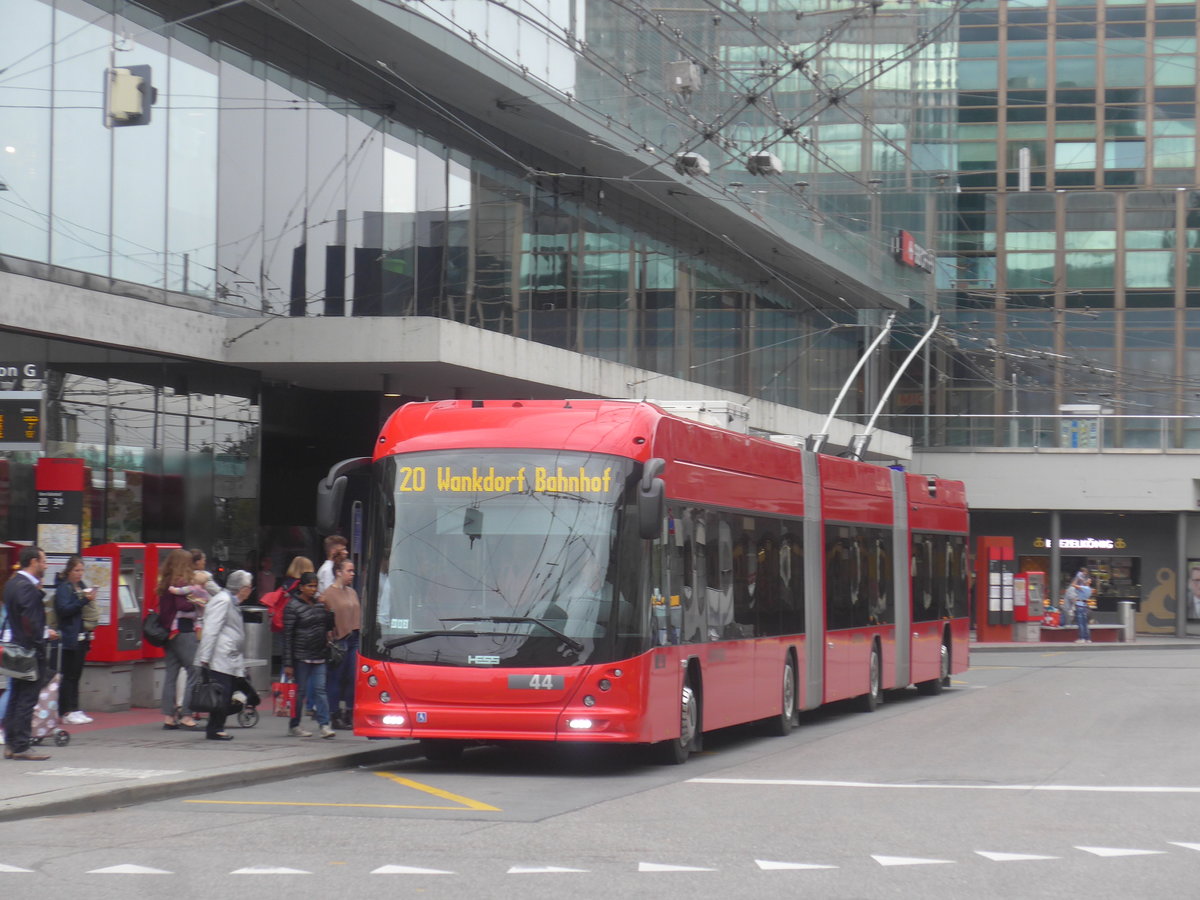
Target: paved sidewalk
[[127, 757]]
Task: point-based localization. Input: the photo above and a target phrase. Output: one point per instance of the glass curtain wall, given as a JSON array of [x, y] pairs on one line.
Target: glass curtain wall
[[1086, 279], [265, 193]]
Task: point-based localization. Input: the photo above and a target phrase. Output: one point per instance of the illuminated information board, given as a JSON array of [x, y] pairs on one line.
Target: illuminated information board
[[21, 420]]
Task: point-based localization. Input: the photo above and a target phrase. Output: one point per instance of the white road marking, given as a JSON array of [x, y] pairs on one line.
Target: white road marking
[[1072, 788], [909, 861], [408, 870], [81, 772], [1117, 851], [540, 870], [1187, 846], [4, 868], [662, 867], [1011, 857], [269, 870], [768, 866], [129, 869]]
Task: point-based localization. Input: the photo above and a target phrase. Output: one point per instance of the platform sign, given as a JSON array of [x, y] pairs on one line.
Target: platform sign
[[22, 423]]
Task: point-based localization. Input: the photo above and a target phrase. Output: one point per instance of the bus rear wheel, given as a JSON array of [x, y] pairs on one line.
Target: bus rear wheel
[[869, 701], [781, 725], [935, 685], [675, 751]]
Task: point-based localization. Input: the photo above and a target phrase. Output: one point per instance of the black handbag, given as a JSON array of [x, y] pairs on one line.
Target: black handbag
[[17, 661], [207, 696], [153, 631], [337, 653]]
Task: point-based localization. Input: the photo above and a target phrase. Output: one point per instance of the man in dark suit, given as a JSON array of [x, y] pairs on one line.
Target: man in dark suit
[[26, 619]]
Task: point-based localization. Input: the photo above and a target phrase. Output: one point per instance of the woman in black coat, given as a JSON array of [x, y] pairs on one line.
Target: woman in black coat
[[70, 597], [306, 627]]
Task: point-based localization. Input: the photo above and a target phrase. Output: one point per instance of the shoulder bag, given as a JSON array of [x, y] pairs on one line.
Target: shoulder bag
[[17, 661], [153, 631]]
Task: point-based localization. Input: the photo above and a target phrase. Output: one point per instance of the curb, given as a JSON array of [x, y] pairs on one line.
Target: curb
[[107, 797], [1042, 647]]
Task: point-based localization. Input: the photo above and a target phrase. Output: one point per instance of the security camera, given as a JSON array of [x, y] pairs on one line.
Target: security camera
[[692, 164]]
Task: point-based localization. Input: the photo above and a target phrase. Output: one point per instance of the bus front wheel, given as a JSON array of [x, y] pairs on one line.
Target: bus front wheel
[[675, 751]]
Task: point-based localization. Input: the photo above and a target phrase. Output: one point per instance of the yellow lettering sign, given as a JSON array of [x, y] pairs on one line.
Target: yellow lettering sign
[[479, 480]]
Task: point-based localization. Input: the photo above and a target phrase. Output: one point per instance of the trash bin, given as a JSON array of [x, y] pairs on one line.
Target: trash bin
[[257, 649]]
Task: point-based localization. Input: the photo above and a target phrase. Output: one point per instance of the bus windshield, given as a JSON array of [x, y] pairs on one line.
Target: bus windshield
[[495, 558]]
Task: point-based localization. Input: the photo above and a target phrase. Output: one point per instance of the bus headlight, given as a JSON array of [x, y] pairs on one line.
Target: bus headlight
[[579, 724], [385, 697], [393, 720], [589, 700]]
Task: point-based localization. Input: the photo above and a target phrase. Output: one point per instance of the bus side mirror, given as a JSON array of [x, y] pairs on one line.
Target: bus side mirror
[[651, 500], [331, 493]]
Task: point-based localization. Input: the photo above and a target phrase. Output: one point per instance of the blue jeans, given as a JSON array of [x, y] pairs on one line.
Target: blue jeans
[[310, 675], [1081, 619], [341, 678]]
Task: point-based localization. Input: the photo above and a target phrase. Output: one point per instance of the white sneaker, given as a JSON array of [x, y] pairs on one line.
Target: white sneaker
[[79, 717], [327, 732], [298, 732]]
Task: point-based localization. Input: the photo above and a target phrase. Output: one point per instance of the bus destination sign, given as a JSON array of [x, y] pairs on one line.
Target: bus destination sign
[[521, 480]]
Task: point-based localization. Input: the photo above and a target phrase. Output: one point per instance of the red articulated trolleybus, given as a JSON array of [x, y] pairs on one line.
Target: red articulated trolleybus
[[606, 571]]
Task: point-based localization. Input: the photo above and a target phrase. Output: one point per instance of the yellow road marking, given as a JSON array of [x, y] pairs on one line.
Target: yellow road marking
[[438, 792], [464, 803]]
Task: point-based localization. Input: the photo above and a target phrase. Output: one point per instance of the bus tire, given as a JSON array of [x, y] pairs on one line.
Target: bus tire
[[675, 751], [441, 751], [869, 701], [935, 685], [781, 724]]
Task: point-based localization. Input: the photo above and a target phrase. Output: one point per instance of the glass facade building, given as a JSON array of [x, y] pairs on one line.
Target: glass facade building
[[283, 175], [1077, 242]]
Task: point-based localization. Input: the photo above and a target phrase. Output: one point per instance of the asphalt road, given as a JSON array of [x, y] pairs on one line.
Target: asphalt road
[[1055, 774]]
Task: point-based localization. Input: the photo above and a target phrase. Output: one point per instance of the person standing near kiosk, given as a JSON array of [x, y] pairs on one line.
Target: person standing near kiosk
[[25, 618], [71, 596]]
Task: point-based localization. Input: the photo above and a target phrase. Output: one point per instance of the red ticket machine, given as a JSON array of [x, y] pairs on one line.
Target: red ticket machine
[[1029, 596], [156, 554], [118, 573]]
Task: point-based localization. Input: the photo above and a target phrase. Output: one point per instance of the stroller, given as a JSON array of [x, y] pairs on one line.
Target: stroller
[[244, 703], [45, 713]]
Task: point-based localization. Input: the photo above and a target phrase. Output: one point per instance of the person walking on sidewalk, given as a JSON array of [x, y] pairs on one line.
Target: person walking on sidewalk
[[25, 619], [306, 627], [70, 598], [177, 613], [222, 643], [343, 602]]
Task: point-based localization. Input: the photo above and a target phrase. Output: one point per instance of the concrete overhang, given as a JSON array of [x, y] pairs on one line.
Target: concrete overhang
[[392, 38], [421, 357], [440, 358]]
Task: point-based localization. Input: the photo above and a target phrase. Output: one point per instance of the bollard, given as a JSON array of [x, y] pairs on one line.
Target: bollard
[[1125, 618]]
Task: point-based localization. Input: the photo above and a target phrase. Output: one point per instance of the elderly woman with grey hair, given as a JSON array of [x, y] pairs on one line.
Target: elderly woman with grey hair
[[221, 643]]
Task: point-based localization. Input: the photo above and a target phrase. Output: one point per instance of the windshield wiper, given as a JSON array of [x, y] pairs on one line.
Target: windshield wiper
[[421, 635], [516, 620]]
